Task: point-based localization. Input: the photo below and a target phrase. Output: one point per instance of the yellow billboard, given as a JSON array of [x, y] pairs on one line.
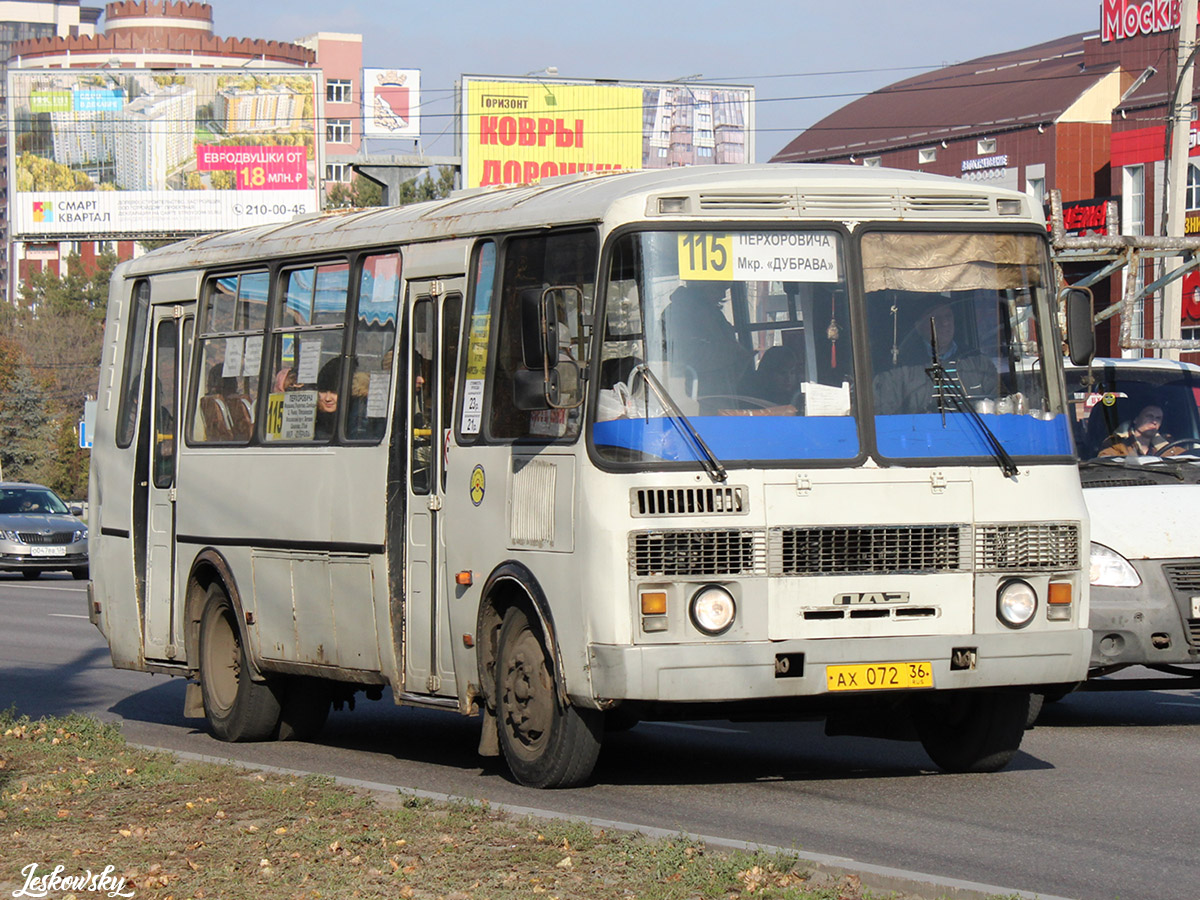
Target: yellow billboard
[[519, 131]]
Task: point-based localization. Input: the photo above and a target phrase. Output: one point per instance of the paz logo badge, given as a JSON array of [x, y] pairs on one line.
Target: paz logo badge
[[43, 211]]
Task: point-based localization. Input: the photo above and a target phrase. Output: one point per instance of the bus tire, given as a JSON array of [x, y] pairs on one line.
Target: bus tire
[[546, 744], [304, 709], [973, 731], [238, 708]]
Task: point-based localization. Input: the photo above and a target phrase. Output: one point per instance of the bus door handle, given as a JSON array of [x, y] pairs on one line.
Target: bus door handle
[[435, 502]]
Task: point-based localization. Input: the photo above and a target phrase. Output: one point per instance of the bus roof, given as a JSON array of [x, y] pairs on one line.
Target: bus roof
[[775, 191]]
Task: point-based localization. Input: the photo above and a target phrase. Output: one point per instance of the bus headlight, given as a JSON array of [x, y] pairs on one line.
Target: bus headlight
[[1016, 602], [1110, 569], [712, 610]]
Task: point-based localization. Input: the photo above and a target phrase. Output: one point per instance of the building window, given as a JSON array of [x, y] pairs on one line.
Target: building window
[[873, 162], [1190, 334], [337, 172], [1193, 187], [337, 131], [1036, 188], [984, 146], [927, 155], [338, 90]]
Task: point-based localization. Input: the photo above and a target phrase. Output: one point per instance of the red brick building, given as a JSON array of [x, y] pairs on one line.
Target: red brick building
[[1084, 114]]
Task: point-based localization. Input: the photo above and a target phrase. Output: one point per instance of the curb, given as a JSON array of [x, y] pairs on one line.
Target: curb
[[831, 868]]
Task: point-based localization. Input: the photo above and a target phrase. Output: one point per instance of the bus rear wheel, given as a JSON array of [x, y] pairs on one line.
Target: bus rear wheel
[[973, 731], [546, 744], [304, 709], [238, 708]]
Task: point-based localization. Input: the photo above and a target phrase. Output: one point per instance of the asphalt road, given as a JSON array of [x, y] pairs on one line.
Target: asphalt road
[[1099, 805]]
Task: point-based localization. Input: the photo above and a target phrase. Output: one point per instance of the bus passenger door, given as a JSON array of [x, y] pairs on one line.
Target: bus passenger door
[[432, 350], [172, 333]]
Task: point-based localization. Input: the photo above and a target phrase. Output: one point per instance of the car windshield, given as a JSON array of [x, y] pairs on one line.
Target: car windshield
[[31, 501], [1119, 409], [746, 337]]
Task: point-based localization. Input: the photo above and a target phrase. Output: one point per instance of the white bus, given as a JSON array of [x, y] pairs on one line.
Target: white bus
[[603, 449]]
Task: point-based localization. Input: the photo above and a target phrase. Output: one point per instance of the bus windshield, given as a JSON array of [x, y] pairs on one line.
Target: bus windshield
[[964, 314], [748, 335]]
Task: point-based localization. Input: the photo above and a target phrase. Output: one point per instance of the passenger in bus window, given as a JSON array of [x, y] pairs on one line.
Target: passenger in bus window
[[776, 381], [700, 340], [908, 388], [1141, 437], [328, 383]]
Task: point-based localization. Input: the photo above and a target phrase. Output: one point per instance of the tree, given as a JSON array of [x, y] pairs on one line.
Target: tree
[[362, 192], [26, 431], [51, 345]]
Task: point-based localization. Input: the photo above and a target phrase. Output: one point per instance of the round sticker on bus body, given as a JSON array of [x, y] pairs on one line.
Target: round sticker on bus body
[[478, 485]]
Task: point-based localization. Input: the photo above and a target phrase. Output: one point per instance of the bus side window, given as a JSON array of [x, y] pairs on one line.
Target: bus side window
[[306, 356], [565, 261], [231, 340], [374, 347]]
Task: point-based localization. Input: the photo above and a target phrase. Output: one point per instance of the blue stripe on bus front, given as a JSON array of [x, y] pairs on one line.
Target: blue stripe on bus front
[[835, 437]]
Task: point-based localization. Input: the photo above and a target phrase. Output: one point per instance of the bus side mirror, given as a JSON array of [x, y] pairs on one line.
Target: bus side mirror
[[533, 390], [1081, 334], [539, 329]]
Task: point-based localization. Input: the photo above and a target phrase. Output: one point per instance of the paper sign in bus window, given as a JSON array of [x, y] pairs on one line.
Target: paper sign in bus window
[[299, 415], [252, 357], [310, 361], [234, 347]]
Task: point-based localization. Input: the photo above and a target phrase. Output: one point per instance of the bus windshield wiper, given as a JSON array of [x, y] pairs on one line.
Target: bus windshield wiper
[[950, 394], [712, 465]]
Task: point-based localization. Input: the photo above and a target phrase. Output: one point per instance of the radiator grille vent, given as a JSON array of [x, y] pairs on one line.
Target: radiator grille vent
[[708, 552], [862, 550], [1184, 579], [1029, 548], [58, 537], [689, 501], [946, 203]]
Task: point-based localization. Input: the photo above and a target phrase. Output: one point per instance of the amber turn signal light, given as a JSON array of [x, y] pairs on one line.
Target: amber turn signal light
[[654, 603]]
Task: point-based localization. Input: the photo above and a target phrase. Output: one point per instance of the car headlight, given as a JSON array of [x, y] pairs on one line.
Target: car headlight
[[1110, 569], [79, 535], [712, 609], [1016, 602], [10, 536]]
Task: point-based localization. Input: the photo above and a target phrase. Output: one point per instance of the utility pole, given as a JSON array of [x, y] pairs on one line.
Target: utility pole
[[1181, 120]]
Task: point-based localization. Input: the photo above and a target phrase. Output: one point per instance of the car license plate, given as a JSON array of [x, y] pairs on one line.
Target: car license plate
[[879, 676], [47, 551]]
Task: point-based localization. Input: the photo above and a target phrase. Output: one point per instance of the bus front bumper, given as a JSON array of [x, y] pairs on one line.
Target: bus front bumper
[[701, 673]]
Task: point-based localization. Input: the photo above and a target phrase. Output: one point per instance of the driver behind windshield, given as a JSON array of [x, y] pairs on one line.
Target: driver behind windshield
[[1142, 437]]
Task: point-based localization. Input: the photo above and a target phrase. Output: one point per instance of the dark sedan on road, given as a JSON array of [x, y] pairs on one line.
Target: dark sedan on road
[[40, 533]]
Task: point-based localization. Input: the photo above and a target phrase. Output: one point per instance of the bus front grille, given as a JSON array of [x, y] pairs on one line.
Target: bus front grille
[[839, 550], [1040, 547], [705, 552]]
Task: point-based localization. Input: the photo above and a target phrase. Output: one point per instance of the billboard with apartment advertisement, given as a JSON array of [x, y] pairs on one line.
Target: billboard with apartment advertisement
[[144, 152], [392, 103], [521, 130]]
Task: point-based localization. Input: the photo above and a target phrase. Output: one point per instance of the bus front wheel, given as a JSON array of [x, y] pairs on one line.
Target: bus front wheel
[[238, 708], [973, 731], [546, 744]]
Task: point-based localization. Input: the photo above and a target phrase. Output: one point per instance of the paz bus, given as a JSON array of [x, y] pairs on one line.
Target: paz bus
[[708, 442]]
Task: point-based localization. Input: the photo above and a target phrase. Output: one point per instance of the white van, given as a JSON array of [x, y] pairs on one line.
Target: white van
[[1142, 489]]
